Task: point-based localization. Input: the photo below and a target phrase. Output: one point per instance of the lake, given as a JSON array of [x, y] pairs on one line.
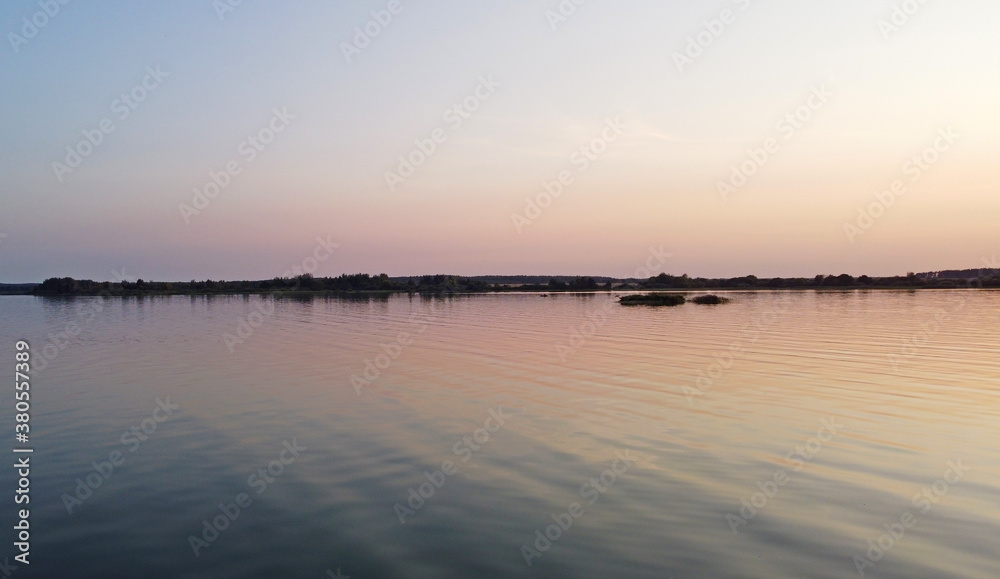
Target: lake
[[800, 434]]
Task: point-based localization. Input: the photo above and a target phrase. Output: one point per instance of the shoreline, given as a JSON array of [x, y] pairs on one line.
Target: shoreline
[[512, 291], [366, 284]]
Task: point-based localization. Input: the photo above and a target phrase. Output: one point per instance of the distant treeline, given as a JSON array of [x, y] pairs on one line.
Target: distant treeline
[[449, 284], [429, 284], [361, 282], [961, 273], [664, 281], [527, 280], [16, 288]]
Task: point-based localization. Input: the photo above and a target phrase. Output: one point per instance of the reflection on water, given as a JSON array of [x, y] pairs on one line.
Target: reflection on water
[[809, 434]]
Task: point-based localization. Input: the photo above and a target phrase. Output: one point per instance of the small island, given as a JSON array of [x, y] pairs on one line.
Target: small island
[[670, 300], [711, 300], [662, 300]]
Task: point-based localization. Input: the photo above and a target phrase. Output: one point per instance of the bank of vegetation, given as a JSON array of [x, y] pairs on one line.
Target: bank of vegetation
[[451, 284]]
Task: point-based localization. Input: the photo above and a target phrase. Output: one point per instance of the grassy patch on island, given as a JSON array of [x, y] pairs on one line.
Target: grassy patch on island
[[653, 300], [710, 300]]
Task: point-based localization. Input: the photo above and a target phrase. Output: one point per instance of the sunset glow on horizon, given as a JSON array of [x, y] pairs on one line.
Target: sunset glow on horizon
[[510, 137]]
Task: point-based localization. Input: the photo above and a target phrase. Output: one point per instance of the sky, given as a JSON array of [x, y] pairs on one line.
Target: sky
[[201, 139]]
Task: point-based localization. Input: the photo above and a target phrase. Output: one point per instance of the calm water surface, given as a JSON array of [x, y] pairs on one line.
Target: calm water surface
[[870, 410]]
